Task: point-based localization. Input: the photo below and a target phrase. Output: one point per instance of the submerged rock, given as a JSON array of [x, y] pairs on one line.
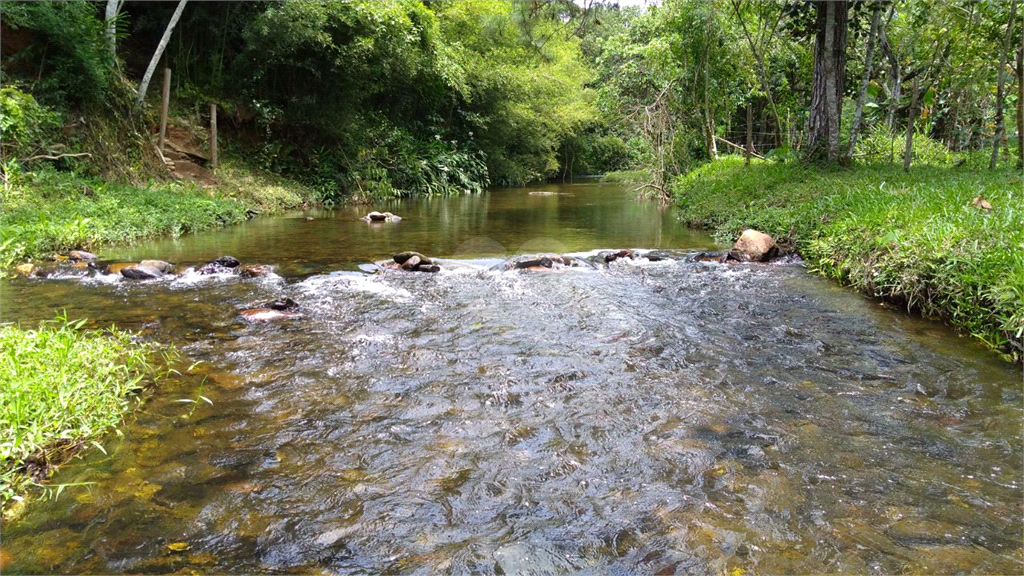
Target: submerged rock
[[254, 270], [542, 263], [113, 267], [754, 246], [265, 314], [281, 308], [140, 272], [610, 257], [26, 269], [720, 257], [282, 304]]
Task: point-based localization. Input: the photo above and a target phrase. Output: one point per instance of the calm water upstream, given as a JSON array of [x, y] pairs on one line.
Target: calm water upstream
[[671, 417]]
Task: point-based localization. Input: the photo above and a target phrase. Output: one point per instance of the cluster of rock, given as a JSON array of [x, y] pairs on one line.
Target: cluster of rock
[[147, 269], [542, 263], [153, 269], [412, 262], [381, 217]]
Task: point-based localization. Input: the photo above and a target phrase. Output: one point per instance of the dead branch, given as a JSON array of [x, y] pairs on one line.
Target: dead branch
[[57, 157], [738, 147]]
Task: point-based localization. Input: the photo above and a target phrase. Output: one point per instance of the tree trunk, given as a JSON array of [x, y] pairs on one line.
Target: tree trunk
[[709, 120], [868, 65], [749, 150], [1000, 88], [110, 17], [827, 89], [1020, 104], [761, 72], [159, 52]]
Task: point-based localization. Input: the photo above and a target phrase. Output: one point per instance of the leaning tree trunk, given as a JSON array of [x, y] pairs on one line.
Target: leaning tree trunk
[[1000, 88], [159, 52], [827, 89], [868, 65]]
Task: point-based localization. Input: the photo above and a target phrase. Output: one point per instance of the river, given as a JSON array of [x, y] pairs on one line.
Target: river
[[641, 417]]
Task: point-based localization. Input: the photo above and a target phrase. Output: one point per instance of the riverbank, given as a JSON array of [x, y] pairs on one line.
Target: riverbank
[[48, 211], [914, 238], [63, 388]]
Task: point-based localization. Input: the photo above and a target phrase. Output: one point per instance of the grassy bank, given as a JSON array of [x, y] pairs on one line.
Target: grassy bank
[[63, 386], [909, 237], [49, 211]]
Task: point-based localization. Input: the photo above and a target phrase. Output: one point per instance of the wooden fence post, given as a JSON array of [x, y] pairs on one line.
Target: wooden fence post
[[908, 152], [213, 136], [163, 108], [750, 134]]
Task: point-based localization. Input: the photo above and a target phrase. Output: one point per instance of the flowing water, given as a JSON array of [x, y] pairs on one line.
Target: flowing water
[[644, 417]]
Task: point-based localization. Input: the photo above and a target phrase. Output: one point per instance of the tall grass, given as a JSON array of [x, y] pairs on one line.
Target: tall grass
[[61, 385], [49, 211], [910, 237]]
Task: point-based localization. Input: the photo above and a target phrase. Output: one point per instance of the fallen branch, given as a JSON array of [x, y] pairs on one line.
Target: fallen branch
[[57, 157], [738, 147]]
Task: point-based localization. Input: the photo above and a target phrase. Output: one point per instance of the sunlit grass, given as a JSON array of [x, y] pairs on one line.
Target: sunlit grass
[[62, 384], [910, 237]]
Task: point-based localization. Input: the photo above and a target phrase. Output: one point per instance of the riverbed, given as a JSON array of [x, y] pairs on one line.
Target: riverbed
[[646, 416]]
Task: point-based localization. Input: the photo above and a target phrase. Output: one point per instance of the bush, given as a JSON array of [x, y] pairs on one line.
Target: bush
[[879, 145], [26, 127]]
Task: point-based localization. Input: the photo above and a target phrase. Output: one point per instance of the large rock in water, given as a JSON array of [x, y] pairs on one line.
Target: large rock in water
[[140, 272], [82, 256], [414, 262], [381, 217], [160, 265], [754, 246]]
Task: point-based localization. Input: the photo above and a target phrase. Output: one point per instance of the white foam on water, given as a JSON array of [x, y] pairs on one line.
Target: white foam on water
[[355, 282]]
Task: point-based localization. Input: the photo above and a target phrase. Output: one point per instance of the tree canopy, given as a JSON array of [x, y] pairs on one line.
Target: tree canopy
[[395, 97]]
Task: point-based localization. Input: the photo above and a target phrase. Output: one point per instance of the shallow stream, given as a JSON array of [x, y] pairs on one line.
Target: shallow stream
[[641, 417]]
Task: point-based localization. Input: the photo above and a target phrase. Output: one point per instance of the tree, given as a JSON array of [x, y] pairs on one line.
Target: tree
[[159, 52], [110, 17], [868, 66], [768, 25], [1000, 87], [829, 74]]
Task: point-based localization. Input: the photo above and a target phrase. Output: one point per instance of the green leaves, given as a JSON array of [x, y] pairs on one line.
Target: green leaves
[[62, 383]]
